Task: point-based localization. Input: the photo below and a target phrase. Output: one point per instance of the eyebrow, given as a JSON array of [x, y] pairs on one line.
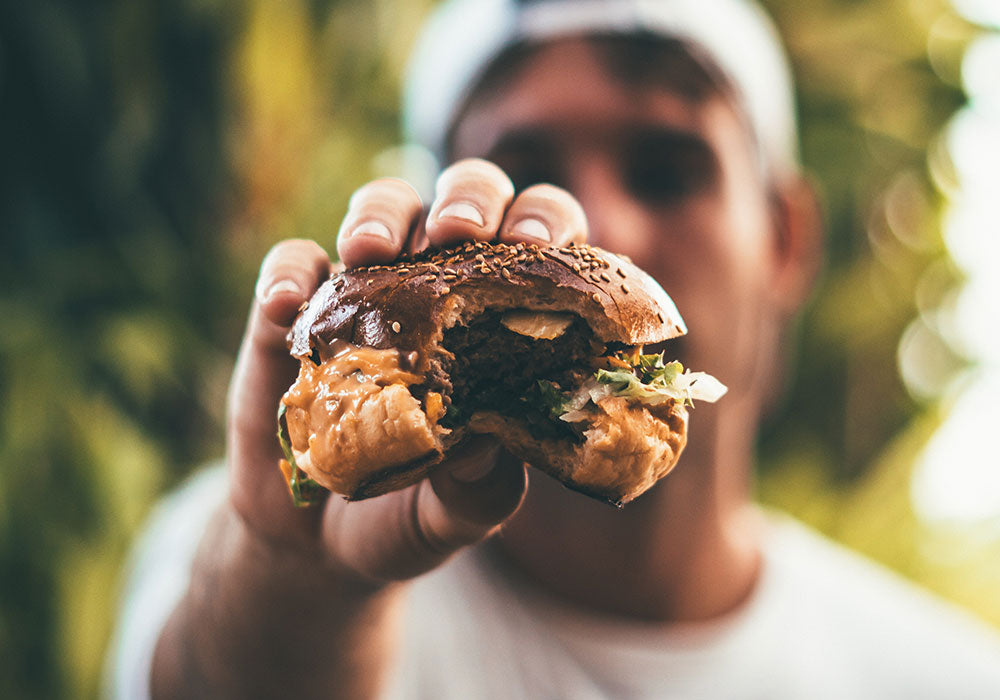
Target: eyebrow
[[529, 140], [535, 138]]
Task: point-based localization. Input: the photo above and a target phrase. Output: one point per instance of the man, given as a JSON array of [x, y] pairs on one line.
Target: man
[[670, 123]]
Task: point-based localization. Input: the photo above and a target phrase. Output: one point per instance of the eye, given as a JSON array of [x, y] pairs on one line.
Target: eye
[[656, 180], [528, 159], [524, 176], [525, 170], [662, 169]]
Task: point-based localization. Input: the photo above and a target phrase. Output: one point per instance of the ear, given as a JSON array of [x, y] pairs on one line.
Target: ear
[[798, 242]]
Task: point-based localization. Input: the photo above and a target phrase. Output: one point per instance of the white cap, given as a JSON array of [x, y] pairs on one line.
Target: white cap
[[462, 38]]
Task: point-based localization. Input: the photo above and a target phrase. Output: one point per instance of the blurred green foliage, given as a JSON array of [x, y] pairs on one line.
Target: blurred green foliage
[[878, 81], [151, 152]]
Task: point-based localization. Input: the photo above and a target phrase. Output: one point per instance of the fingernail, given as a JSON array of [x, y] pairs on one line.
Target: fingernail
[[279, 287], [476, 461], [532, 228], [372, 228], [464, 211]]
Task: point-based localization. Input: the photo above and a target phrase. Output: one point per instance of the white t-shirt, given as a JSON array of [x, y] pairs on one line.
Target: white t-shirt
[[822, 623]]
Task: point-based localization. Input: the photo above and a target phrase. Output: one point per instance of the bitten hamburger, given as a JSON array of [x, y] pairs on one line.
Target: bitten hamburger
[[540, 347]]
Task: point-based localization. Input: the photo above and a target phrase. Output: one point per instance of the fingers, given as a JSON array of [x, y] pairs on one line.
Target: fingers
[[289, 275], [544, 215], [379, 218], [471, 197], [474, 200], [406, 533]]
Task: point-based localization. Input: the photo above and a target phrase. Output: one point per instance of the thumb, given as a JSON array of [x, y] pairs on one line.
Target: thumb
[[406, 533]]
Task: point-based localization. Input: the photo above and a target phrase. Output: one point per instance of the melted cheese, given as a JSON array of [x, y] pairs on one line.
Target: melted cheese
[[541, 325], [353, 414]]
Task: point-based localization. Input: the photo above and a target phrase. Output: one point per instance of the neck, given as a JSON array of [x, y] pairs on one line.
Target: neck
[[687, 550]]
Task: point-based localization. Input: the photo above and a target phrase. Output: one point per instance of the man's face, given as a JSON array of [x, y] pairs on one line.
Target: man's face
[[668, 180]]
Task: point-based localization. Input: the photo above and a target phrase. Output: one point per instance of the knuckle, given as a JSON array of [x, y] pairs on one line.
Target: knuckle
[[475, 171], [278, 251], [387, 189], [291, 252], [545, 194]]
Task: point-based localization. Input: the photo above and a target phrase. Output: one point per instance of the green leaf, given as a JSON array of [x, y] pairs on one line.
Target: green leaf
[[624, 377], [305, 491], [652, 369], [551, 398], [650, 380]]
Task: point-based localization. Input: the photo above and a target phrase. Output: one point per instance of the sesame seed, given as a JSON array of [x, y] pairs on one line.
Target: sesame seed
[[620, 273], [596, 297], [659, 317], [576, 267], [506, 273], [605, 277], [625, 288], [430, 278], [445, 290], [396, 327]]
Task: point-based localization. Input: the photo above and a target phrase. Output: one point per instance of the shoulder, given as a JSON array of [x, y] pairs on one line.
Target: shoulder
[[859, 616]]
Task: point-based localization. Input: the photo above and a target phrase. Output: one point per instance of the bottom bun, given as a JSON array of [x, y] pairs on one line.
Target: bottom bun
[[624, 452]]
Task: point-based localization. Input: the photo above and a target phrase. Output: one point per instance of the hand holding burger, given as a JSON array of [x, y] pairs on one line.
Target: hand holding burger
[[539, 346], [476, 484]]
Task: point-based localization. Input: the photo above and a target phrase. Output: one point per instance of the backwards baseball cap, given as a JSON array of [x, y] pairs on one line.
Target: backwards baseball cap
[[462, 38]]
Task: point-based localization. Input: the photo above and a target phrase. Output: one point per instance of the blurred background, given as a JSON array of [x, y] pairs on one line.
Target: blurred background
[[151, 152]]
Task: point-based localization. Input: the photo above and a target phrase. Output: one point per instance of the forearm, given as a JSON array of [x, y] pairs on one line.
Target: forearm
[[262, 621]]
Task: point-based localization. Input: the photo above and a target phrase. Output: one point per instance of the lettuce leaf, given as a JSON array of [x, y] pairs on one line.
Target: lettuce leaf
[[551, 398], [305, 491], [651, 381]]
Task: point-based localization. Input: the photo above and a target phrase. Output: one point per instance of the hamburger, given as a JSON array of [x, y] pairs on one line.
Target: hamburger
[[541, 347]]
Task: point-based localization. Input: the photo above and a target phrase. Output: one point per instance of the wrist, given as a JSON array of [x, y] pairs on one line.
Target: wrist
[[260, 614]]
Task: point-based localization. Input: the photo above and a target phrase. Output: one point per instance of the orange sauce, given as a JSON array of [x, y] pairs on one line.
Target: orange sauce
[[355, 409]]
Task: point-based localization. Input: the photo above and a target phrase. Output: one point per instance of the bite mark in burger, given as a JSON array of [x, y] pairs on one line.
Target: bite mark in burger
[[540, 347]]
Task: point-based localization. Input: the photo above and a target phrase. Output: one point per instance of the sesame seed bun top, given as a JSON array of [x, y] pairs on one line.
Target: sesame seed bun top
[[408, 304]]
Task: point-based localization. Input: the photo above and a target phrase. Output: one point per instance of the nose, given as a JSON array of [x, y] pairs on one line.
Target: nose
[[617, 222]]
